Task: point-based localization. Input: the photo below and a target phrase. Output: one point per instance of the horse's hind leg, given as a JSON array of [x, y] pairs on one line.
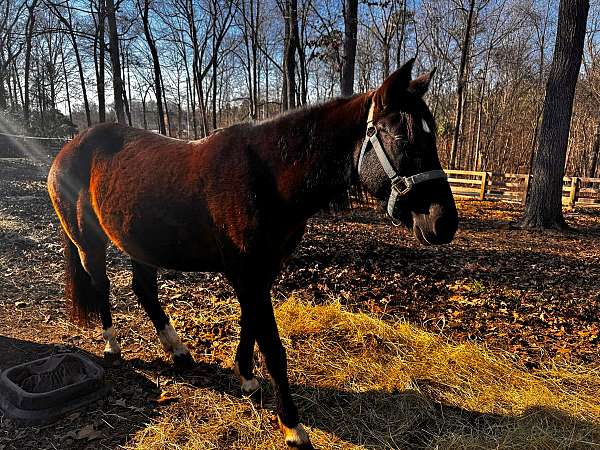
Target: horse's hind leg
[[87, 286], [93, 261], [146, 289]]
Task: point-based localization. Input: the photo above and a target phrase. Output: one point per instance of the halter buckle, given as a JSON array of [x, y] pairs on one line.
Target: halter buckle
[[402, 185]]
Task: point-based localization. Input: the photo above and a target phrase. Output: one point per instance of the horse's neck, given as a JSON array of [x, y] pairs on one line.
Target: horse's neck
[[318, 161]]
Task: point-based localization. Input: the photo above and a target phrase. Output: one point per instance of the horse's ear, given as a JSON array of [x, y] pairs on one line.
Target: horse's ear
[[420, 85], [394, 86]]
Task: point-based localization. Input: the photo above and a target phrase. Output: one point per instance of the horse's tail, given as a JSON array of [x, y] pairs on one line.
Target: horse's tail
[[83, 301], [68, 182]]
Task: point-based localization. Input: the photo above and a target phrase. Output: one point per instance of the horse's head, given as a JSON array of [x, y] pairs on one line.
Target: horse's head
[[398, 162]]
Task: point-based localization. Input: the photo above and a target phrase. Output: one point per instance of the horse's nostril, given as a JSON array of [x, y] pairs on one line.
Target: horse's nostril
[[444, 228]]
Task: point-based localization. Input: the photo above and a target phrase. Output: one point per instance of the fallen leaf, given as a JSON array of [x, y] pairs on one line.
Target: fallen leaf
[[88, 432], [166, 398]]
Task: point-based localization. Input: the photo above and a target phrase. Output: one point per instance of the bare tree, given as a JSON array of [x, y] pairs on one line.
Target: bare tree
[[144, 9], [461, 81], [113, 38], [290, 15], [543, 209], [349, 58], [59, 11]]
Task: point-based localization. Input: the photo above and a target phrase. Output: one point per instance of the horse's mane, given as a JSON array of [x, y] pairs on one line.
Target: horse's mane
[[354, 191], [306, 111], [303, 120]]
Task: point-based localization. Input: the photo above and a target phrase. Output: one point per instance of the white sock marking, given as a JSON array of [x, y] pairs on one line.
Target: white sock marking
[[426, 127], [110, 336], [171, 342], [296, 436], [248, 386]]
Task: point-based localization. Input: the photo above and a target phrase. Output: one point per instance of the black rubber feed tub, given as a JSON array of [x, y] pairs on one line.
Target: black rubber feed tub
[[40, 391]]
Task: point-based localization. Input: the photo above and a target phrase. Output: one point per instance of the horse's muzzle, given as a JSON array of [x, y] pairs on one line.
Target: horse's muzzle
[[436, 227]]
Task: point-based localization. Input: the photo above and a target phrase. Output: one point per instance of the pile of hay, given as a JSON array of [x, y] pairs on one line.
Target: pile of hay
[[363, 383]]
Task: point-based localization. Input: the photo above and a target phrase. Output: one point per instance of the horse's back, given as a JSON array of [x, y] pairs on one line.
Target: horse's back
[[154, 197]]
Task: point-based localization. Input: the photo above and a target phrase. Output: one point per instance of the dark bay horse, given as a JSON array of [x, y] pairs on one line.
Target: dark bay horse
[[237, 202]]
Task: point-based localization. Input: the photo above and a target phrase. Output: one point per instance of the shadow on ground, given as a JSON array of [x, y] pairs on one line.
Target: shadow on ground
[[130, 405]]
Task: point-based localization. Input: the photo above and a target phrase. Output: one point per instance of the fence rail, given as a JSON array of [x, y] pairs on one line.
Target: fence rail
[[513, 187]]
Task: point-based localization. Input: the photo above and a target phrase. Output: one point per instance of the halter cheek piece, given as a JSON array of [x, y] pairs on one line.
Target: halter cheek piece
[[400, 185]]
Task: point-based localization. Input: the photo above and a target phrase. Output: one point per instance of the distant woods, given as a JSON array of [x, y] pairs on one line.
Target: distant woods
[[186, 67]]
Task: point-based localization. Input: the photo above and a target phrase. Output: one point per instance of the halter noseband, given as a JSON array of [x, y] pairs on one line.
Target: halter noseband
[[400, 185]]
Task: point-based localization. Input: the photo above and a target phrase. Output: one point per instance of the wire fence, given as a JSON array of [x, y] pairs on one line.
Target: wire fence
[[21, 145]]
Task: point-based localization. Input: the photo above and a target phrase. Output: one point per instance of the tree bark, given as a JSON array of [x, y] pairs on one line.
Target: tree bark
[[28, 47], [543, 209], [64, 67], [348, 63], [595, 151], [461, 85], [113, 38], [289, 58], [145, 11], [101, 58]]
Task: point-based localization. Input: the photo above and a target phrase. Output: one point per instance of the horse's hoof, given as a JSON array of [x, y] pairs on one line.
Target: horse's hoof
[[184, 361], [296, 438], [112, 359]]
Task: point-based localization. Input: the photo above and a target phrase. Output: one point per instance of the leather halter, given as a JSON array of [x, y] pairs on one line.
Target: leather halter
[[400, 185]]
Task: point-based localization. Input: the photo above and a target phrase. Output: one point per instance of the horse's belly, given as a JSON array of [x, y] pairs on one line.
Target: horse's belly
[[186, 255], [164, 238], [170, 251]]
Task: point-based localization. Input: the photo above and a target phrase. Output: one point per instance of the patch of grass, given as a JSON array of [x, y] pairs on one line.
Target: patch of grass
[[363, 383]]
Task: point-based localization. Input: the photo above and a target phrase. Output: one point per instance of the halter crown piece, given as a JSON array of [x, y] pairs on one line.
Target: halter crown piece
[[400, 185]]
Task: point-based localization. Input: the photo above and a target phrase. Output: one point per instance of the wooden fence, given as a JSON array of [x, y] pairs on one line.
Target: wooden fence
[[512, 187]]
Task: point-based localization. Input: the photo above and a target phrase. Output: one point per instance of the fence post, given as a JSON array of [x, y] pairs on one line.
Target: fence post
[[573, 192], [484, 182]]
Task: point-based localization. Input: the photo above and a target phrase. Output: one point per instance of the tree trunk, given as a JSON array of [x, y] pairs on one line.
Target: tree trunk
[[348, 63], [595, 151], [401, 31], [101, 59], [82, 79], [28, 47], [213, 99], [166, 106], [64, 67], [145, 10], [461, 86], [144, 119], [289, 58], [543, 209], [113, 38], [126, 92]]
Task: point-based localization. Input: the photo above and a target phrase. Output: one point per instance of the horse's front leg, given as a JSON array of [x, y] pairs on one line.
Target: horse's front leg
[[244, 357], [259, 319]]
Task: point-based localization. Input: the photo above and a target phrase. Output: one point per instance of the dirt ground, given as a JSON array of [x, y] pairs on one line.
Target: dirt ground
[[535, 296]]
